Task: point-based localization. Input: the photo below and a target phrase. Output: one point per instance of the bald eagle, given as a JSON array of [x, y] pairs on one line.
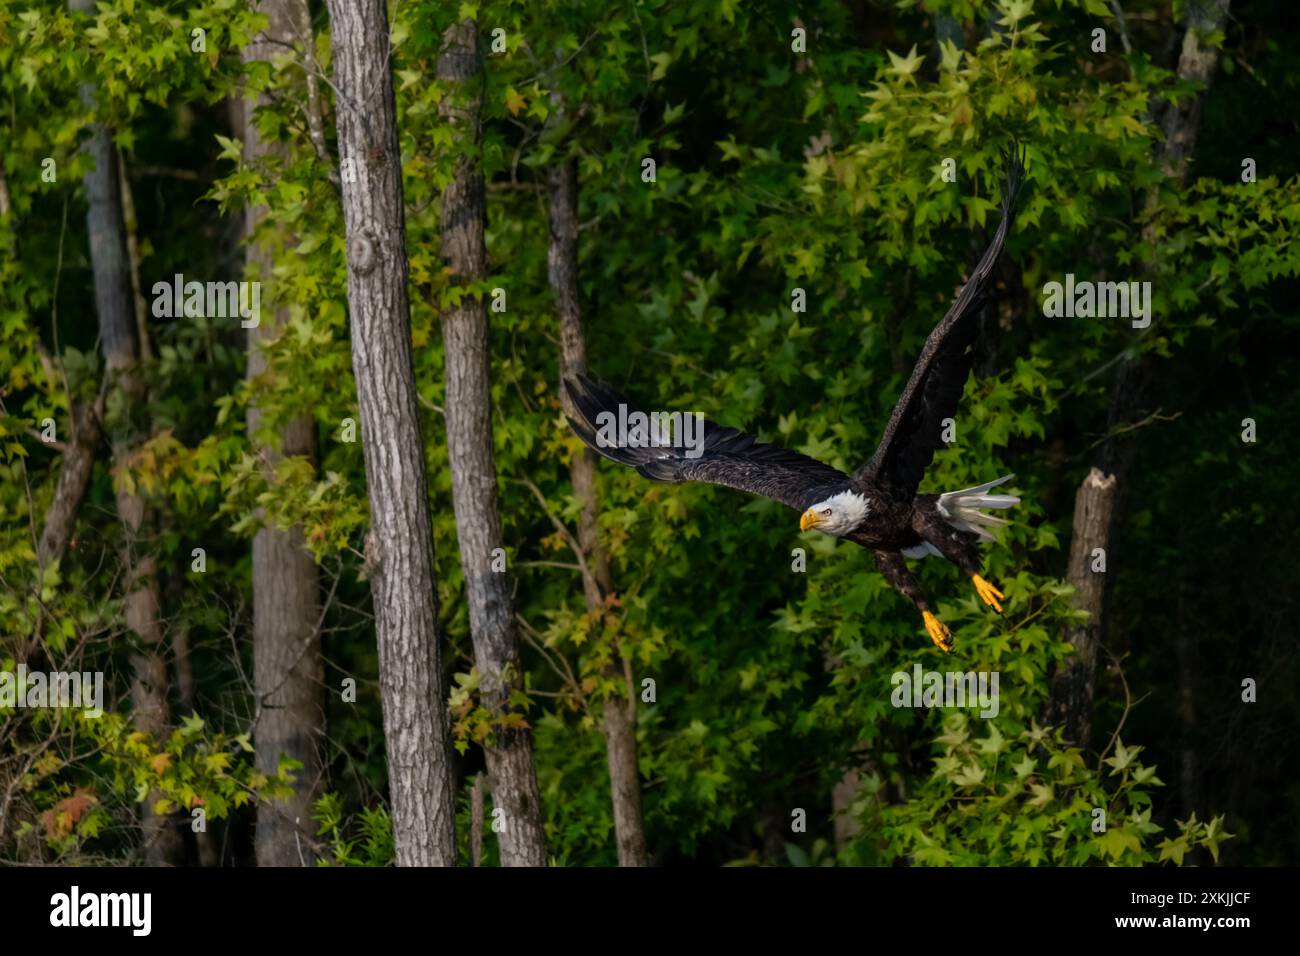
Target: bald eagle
[[877, 506]]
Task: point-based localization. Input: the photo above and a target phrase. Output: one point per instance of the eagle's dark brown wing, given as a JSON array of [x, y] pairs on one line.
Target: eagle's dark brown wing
[[914, 432], [727, 457]]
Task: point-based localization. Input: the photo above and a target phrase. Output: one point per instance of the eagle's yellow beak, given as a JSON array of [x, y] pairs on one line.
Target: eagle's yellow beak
[[809, 519]]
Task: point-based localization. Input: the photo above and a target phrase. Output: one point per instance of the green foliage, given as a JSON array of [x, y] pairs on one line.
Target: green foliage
[[995, 800], [775, 171], [365, 841]]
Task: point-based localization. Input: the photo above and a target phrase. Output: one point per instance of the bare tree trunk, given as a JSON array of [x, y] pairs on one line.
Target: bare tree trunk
[[476, 821], [843, 795], [1196, 63], [619, 711], [117, 330], [288, 670], [468, 403], [399, 546], [1072, 685], [1180, 124], [74, 479], [133, 258]]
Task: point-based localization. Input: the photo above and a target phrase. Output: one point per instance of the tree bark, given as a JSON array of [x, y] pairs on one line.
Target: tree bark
[[1071, 701], [117, 331], [74, 480], [843, 795], [619, 711], [476, 821], [1181, 123], [288, 670], [399, 546], [467, 344]]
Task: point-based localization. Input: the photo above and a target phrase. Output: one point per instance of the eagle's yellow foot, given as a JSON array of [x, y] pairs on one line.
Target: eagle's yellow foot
[[991, 595], [939, 633]]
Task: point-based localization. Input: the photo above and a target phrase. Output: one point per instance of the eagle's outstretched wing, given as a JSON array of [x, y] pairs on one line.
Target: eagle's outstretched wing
[[933, 392], [727, 456]]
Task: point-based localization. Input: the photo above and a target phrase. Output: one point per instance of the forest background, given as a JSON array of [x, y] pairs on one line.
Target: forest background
[[279, 546]]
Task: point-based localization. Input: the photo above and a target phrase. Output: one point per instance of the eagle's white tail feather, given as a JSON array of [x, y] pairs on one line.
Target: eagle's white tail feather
[[961, 508]]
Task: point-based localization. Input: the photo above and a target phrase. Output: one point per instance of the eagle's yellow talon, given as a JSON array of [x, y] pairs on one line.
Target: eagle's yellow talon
[[939, 633], [991, 595]]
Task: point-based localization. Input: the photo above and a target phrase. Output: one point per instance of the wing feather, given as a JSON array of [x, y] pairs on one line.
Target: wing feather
[[933, 392], [729, 457]]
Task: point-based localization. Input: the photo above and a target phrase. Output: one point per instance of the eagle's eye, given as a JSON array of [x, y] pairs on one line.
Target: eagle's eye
[[827, 512]]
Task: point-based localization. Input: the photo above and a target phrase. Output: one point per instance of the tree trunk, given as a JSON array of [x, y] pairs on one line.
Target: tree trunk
[[117, 331], [399, 546], [1180, 125], [74, 479], [476, 821], [288, 670], [843, 795], [61, 515], [1071, 701], [619, 711], [468, 403]]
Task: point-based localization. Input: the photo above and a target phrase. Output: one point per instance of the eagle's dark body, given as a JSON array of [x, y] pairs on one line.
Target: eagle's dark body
[[877, 506]]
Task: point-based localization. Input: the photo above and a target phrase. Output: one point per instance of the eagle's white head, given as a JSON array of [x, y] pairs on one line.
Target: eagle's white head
[[838, 515]]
